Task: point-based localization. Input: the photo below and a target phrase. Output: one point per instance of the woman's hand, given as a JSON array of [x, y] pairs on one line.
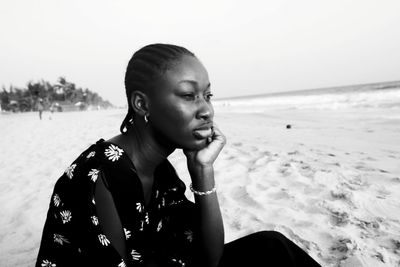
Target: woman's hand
[[205, 157], [210, 235]]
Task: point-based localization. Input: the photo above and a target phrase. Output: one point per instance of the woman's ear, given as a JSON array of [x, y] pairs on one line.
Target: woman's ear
[[139, 102]]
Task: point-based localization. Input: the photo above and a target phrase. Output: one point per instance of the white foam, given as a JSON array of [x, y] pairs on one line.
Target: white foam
[[389, 98]]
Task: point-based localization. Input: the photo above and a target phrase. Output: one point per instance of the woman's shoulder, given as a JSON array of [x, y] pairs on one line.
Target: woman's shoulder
[[102, 155], [97, 157]]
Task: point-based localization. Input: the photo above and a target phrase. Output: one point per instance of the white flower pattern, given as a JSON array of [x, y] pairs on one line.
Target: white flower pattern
[[46, 263], [139, 207], [94, 173], [103, 240], [95, 220], [159, 226], [113, 152], [65, 216], [189, 235], [127, 233], [135, 255], [70, 171], [56, 200], [60, 239], [179, 262], [91, 154]]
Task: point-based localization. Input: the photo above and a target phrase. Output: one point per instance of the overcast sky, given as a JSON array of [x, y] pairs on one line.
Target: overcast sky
[[248, 47]]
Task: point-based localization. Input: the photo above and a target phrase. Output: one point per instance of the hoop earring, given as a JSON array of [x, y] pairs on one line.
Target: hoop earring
[[146, 120]]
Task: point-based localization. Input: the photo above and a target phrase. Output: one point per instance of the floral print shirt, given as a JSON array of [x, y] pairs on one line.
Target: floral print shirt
[[72, 235]]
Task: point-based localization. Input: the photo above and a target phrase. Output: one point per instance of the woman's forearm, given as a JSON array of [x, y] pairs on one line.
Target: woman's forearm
[[211, 231]]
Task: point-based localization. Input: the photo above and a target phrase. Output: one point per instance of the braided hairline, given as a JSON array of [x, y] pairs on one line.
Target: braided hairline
[[144, 66]]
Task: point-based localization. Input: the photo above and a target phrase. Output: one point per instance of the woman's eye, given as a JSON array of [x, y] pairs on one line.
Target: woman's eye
[[188, 96], [209, 96]]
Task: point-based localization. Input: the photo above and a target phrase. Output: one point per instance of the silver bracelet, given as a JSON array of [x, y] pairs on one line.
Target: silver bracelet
[[202, 193]]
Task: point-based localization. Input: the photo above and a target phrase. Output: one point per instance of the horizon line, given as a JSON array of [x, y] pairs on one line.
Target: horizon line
[[319, 89]]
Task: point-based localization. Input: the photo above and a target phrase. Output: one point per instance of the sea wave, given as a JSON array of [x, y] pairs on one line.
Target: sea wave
[[387, 99]]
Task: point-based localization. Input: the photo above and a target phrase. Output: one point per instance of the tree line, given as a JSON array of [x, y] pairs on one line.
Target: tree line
[[61, 94]]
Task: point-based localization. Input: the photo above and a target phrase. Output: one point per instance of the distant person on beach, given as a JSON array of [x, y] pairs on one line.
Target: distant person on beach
[[40, 107], [51, 109], [121, 203]]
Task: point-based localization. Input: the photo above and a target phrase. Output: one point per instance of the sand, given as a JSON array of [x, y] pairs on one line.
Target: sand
[[330, 183]]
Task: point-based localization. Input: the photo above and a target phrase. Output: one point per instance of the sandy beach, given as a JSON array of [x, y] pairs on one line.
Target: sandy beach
[[330, 183]]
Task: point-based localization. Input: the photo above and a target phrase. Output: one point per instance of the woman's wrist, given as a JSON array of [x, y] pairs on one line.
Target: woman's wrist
[[202, 193], [198, 171], [202, 178]]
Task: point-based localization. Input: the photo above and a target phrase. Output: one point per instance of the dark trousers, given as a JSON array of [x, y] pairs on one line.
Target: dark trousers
[[266, 248]]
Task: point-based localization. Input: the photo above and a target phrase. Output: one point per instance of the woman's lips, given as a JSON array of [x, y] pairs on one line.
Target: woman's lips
[[202, 133]]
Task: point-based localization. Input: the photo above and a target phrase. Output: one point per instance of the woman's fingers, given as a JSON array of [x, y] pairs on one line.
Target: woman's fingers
[[207, 155], [218, 135]]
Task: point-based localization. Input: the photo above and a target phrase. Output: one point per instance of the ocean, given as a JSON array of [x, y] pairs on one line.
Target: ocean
[[377, 95]]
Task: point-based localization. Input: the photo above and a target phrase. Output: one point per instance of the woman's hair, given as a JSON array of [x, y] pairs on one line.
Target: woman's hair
[[144, 66]]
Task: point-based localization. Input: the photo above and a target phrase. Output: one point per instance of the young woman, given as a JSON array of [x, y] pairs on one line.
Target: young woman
[[121, 203]]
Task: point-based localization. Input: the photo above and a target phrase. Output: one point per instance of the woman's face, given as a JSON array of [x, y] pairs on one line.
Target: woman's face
[[180, 111]]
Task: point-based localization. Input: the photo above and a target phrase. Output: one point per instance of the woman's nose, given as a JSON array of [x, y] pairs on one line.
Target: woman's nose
[[205, 110]]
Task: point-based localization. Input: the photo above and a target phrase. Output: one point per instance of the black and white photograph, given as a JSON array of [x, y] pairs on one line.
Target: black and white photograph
[[200, 133]]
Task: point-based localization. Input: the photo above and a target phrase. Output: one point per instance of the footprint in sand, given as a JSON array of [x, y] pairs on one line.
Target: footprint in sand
[[362, 167], [339, 218], [382, 192], [284, 169], [336, 164], [241, 195], [355, 183], [395, 179], [293, 153], [239, 219], [337, 215], [396, 245], [343, 247], [343, 194], [237, 144], [368, 225], [304, 169], [262, 161]]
